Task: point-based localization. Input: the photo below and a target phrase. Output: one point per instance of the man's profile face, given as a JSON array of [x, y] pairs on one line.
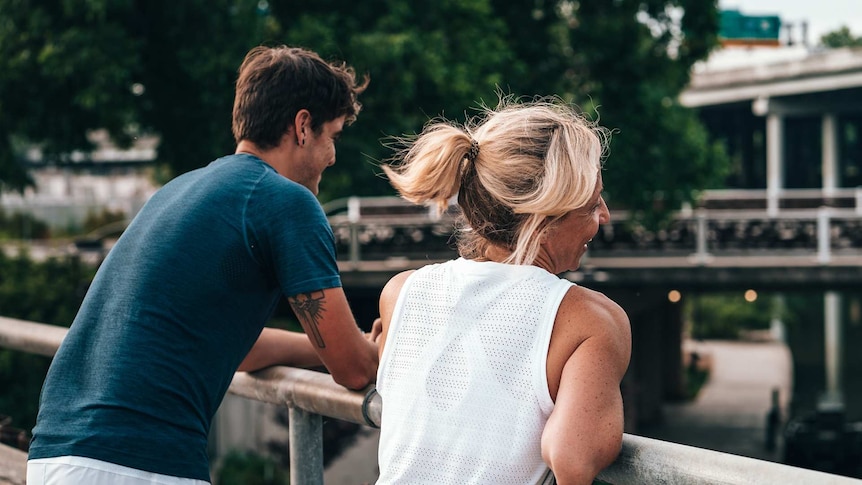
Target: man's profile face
[[317, 154]]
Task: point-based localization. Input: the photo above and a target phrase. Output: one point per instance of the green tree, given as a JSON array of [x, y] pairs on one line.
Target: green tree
[[46, 292], [631, 59], [17, 226], [129, 66], [624, 62], [725, 315], [840, 38], [67, 68], [238, 468], [425, 59], [135, 66]]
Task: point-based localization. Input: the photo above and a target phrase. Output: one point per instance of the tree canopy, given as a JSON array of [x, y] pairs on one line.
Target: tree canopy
[[154, 66], [128, 66], [840, 38]]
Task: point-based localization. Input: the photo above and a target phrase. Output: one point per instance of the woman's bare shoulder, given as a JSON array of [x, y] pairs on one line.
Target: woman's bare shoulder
[[591, 306], [586, 313], [390, 292]]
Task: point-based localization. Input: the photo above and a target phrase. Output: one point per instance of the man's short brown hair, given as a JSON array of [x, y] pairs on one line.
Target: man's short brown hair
[[275, 83]]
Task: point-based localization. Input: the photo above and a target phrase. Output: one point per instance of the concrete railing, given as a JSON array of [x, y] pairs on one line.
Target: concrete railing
[[310, 395]]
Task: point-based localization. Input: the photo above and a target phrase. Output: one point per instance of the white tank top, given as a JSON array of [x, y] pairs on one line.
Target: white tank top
[[463, 375]]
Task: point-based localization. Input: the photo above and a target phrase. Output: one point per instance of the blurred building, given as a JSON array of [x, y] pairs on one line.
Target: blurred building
[[790, 115], [107, 179]]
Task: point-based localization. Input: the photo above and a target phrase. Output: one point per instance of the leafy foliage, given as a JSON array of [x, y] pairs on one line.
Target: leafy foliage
[[633, 58], [46, 292], [135, 66], [724, 315], [129, 66], [625, 62], [424, 59], [18, 225], [250, 469], [99, 220], [840, 38], [66, 69], [21, 376]]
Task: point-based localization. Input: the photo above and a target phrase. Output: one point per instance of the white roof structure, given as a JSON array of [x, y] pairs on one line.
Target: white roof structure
[[738, 75]]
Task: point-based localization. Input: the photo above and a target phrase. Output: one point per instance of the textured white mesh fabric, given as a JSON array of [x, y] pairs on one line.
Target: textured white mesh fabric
[[462, 376]]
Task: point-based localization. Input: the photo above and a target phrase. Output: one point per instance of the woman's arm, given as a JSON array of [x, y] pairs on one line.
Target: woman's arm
[[584, 432], [388, 298]]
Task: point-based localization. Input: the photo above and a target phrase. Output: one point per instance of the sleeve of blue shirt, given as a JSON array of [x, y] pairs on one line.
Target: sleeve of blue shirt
[[292, 236]]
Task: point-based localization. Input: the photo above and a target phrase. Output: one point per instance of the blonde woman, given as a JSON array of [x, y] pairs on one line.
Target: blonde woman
[[493, 369]]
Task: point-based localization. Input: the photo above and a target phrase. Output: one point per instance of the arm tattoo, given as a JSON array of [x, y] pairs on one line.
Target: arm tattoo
[[308, 307]]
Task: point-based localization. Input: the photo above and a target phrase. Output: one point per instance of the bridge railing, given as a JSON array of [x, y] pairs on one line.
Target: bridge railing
[[810, 224], [310, 395]]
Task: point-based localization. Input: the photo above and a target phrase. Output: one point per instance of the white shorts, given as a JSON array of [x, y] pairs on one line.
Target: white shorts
[[76, 470]]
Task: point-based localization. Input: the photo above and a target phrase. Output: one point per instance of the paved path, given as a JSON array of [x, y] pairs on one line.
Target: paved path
[[13, 465], [358, 464], [729, 414]]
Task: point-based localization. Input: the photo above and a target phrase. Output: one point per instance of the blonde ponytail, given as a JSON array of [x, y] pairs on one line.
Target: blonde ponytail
[[516, 169], [431, 168]]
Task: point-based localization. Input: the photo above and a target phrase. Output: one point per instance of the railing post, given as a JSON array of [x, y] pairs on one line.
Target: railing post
[[306, 447], [772, 203], [701, 255], [353, 216], [832, 337], [824, 242], [858, 193], [433, 212]]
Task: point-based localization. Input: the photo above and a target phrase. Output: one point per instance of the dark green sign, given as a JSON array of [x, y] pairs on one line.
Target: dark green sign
[[734, 25]]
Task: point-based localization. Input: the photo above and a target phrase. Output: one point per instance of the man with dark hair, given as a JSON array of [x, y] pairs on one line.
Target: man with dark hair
[[181, 301]]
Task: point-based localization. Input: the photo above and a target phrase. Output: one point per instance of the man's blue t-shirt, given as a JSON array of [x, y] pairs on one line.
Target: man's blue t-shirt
[[174, 309]]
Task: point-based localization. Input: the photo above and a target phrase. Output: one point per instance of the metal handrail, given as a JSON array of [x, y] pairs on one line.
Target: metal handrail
[[310, 395]]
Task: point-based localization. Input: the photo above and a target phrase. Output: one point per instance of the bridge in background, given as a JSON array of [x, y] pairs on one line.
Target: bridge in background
[[732, 241]]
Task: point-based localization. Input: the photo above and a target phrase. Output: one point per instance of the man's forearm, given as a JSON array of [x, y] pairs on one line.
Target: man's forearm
[[280, 347]]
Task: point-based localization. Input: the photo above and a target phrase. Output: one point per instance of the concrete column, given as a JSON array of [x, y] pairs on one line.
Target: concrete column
[[832, 325], [824, 241], [774, 161], [673, 378], [353, 217], [643, 389], [776, 319], [829, 153]]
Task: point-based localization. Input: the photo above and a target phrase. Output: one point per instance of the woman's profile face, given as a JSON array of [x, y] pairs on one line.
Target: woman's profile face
[[567, 242]]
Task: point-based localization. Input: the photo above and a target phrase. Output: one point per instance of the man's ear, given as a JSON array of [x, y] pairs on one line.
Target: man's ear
[[301, 126]]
